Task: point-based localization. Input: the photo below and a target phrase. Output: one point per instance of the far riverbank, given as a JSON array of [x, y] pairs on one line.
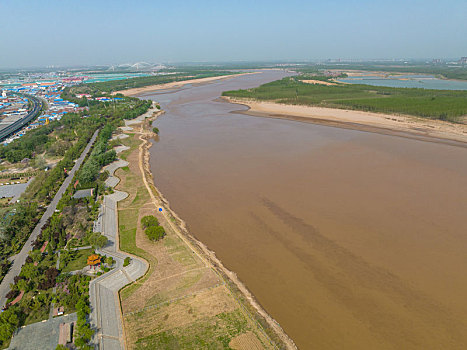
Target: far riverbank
[[176, 84], [408, 126]]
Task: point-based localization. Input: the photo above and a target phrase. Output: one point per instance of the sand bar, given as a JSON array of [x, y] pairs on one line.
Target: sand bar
[[175, 84], [360, 120], [319, 82]]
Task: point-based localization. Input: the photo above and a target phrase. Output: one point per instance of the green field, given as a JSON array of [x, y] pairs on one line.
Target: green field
[[435, 104]]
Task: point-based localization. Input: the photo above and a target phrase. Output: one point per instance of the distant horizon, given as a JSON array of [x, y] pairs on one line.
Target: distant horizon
[[89, 33], [425, 60]]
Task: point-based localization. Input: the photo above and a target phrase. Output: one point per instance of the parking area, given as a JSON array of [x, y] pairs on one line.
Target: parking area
[[41, 335]]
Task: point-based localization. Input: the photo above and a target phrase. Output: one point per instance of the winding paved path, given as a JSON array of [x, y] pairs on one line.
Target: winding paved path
[[20, 258], [106, 316]]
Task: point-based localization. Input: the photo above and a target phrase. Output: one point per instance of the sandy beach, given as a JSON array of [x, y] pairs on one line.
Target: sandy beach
[[319, 82], [175, 84], [367, 121]]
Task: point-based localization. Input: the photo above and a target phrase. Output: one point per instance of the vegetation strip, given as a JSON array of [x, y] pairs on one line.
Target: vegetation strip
[[44, 281], [450, 105]]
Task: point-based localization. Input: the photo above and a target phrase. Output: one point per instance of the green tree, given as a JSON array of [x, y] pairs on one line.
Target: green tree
[[30, 271], [23, 285], [155, 232], [36, 255], [8, 323], [148, 221]]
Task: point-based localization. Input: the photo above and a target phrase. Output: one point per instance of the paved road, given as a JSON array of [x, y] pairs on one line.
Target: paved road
[[15, 126], [20, 258], [105, 314]]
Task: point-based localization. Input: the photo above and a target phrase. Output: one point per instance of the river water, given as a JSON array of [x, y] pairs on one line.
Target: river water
[[349, 239], [420, 81]]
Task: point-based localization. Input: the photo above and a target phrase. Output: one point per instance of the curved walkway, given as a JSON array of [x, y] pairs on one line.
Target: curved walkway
[[105, 315]]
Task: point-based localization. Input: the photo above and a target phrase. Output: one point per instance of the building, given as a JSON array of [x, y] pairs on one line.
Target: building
[[65, 334], [93, 261]]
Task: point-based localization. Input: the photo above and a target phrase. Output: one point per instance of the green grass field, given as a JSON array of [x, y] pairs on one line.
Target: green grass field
[[436, 104]]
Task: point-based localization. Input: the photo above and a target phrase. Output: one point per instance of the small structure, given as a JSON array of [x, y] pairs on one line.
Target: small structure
[[65, 335], [17, 299], [84, 193], [93, 261], [58, 311], [44, 246]]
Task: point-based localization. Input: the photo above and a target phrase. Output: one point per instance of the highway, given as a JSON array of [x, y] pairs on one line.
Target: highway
[[20, 258], [17, 125]]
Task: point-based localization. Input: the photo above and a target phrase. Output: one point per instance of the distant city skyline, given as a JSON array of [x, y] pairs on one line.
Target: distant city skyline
[[59, 33]]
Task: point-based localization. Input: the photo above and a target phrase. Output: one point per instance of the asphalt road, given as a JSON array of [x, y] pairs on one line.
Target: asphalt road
[[14, 127], [20, 258]]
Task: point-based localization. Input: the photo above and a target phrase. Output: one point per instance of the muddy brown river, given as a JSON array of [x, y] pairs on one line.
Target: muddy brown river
[[349, 239]]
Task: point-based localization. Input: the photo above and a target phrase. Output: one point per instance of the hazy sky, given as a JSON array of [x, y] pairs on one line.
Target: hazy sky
[[74, 32]]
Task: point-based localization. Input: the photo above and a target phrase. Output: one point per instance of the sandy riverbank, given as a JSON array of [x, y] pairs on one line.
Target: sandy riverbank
[[359, 120], [175, 84], [319, 82]]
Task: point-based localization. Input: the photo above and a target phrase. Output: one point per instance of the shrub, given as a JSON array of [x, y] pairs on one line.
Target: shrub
[[155, 130], [126, 262]]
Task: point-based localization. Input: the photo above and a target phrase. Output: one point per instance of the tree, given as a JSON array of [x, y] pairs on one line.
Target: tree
[[8, 323], [126, 262], [97, 240], [35, 255], [109, 260], [155, 232], [22, 285], [155, 130], [30, 271], [149, 220]]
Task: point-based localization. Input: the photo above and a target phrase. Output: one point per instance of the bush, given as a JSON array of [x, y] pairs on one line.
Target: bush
[[155, 130], [127, 261], [155, 232]]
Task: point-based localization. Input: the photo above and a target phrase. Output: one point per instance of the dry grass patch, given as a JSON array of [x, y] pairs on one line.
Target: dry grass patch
[[246, 341], [208, 320]]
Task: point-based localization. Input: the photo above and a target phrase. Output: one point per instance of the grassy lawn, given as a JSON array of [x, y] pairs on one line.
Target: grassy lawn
[[128, 212], [78, 260]]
